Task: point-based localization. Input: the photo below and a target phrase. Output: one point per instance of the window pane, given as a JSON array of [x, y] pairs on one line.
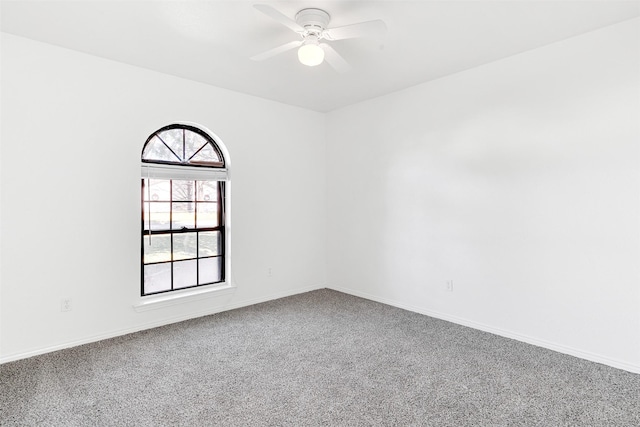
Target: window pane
[[157, 277], [173, 138], [184, 274], [209, 243], [210, 270], [158, 249], [159, 215], [207, 191], [156, 150], [206, 155], [192, 143], [207, 214], [159, 190], [183, 216], [184, 190], [184, 246], [176, 209]]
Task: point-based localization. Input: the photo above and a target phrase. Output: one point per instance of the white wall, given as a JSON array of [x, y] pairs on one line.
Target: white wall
[[518, 180], [73, 126]]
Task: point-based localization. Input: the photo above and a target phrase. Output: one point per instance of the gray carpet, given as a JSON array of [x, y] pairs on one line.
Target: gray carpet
[[320, 358]]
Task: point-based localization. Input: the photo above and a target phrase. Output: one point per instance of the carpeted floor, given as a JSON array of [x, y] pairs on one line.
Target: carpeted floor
[[320, 358]]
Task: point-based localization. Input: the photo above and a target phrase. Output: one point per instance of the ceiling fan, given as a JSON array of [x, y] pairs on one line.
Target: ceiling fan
[[312, 26]]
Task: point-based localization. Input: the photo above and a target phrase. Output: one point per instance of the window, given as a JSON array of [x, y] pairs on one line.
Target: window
[[183, 210]]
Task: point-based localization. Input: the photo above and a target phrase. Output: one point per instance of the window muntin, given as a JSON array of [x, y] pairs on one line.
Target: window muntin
[[183, 145], [183, 224]]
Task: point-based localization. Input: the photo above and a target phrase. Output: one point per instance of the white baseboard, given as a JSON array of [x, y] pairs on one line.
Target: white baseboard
[[155, 324], [593, 357]]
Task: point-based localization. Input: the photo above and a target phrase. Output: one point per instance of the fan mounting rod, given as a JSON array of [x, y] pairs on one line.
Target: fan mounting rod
[[314, 21]]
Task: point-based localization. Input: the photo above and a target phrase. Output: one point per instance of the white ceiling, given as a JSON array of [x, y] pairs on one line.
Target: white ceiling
[[211, 41]]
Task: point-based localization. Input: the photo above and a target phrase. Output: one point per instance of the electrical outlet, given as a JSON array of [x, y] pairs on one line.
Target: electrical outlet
[[65, 304], [449, 286], [269, 272]]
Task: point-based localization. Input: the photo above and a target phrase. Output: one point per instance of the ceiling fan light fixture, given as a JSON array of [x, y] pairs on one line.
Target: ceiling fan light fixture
[[310, 53], [313, 25]]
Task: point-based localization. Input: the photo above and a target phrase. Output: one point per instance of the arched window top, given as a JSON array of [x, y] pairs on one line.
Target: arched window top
[[182, 145]]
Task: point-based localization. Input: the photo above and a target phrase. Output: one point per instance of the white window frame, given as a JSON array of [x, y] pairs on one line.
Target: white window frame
[[168, 171]]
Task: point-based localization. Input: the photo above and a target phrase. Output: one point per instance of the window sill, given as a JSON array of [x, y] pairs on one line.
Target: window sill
[[179, 297]]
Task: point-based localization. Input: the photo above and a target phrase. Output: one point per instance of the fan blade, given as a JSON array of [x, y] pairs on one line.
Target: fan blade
[[334, 59], [363, 29], [278, 16], [276, 50]]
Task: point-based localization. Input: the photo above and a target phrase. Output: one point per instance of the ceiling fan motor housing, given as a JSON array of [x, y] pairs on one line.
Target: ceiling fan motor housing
[[314, 21]]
